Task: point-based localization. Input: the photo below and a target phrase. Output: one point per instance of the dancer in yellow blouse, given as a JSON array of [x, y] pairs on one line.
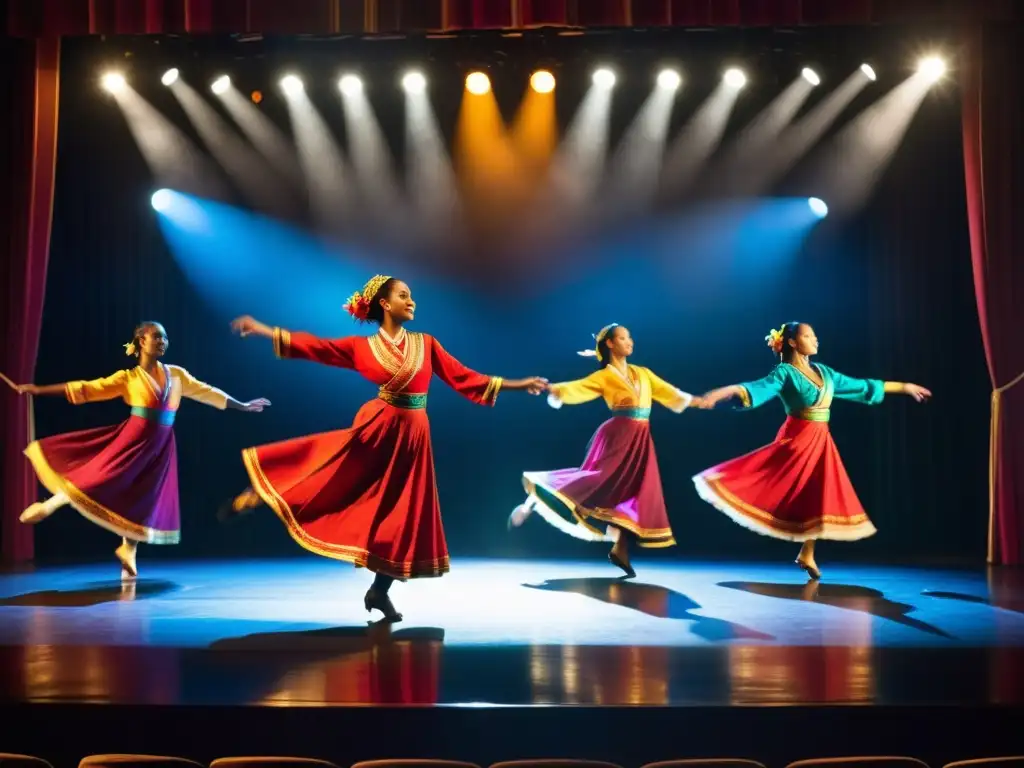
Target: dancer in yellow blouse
[[618, 483], [125, 477]]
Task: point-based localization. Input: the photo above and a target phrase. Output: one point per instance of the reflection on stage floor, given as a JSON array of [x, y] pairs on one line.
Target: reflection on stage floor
[[499, 632]]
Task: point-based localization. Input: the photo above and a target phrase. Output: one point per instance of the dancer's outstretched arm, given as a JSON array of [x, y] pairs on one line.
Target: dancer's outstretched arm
[[671, 397], [478, 387], [299, 345], [871, 391], [78, 392], [753, 393], [201, 392]]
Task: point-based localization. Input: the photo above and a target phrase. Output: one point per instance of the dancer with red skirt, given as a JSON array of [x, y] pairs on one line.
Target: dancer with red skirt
[[618, 483], [124, 478], [796, 488], [367, 495]]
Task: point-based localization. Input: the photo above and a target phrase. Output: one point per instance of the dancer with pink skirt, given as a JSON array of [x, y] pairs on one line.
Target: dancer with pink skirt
[[618, 483]]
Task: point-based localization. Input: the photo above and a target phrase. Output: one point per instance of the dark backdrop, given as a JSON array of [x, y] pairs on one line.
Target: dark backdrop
[[888, 290]]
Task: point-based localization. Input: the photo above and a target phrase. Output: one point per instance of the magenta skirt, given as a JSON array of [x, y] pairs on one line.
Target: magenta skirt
[[123, 478], [618, 484]]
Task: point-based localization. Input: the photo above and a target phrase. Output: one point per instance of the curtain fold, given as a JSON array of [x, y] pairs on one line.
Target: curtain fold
[[993, 167], [29, 157]]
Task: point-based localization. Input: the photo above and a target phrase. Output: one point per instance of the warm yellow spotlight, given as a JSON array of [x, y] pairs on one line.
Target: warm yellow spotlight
[[542, 81], [932, 68], [170, 76], [113, 82], [810, 76], [478, 83], [869, 71]]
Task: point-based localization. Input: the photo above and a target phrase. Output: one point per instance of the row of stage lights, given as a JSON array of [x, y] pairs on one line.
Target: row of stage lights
[[542, 81]]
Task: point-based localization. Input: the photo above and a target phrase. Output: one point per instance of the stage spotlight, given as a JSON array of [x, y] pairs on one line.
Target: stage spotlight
[[221, 85], [291, 85], [604, 78], [932, 68], [868, 71], [113, 82], [669, 79], [542, 81], [161, 199], [735, 78], [478, 83], [350, 85], [810, 76], [818, 207], [170, 77], [414, 82]]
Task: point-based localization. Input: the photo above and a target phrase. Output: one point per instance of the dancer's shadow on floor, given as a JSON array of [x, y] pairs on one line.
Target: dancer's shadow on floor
[[852, 598], [654, 600], [93, 594], [1015, 606], [330, 639]]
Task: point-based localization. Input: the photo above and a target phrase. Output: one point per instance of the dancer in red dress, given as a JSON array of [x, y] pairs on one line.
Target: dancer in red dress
[[125, 477], [796, 488], [367, 494], [618, 483]]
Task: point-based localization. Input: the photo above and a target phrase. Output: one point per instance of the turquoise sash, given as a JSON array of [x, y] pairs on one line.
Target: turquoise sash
[[166, 418], [639, 414], [404, 400]]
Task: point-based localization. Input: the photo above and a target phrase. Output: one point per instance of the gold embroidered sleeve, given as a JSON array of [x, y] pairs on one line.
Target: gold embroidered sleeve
[[282, 342], [493, 390]]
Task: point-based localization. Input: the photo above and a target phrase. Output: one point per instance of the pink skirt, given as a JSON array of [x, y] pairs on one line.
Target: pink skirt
[[618, 484], [123, 478]]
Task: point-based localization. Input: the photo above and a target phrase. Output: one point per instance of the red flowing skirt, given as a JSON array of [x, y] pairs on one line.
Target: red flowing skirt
[[617, 484], [795, 488], [123, 478], [366, 495]]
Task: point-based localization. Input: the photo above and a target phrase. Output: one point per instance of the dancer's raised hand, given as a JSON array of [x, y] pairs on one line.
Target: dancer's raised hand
[[247, 325]]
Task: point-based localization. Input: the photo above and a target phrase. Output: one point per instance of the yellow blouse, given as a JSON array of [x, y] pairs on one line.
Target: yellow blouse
[[637, 390], [138, 388]]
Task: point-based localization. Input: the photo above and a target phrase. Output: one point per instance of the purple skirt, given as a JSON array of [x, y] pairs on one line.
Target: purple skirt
[[618, 484], [123, 478]]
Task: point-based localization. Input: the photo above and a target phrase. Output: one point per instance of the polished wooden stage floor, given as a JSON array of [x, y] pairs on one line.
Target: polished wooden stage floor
[[708, 645]]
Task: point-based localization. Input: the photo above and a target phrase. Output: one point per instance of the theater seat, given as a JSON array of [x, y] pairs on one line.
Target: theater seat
[[9, 760], [271, 762], [860, 762], [414, 763], [136, 761], [709, 762], [554, 762]]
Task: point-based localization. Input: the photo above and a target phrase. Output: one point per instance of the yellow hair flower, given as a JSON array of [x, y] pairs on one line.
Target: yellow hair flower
[[129, 348]]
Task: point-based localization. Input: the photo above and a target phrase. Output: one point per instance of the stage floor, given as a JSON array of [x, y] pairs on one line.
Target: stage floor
[[507, 632]]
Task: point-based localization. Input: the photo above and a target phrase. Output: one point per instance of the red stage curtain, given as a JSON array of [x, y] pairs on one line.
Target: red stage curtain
[[991, 83], [28, 156], [50, 18]]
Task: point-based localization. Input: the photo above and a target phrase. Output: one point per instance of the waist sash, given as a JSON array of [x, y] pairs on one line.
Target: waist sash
[[405, 400], [166, 418], [814, 414], [639, 414]]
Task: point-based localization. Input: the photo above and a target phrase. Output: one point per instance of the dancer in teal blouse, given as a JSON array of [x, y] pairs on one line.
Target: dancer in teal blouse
[[796, 488]]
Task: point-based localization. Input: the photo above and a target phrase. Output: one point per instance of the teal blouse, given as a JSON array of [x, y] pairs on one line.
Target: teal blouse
[[803, 398]]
